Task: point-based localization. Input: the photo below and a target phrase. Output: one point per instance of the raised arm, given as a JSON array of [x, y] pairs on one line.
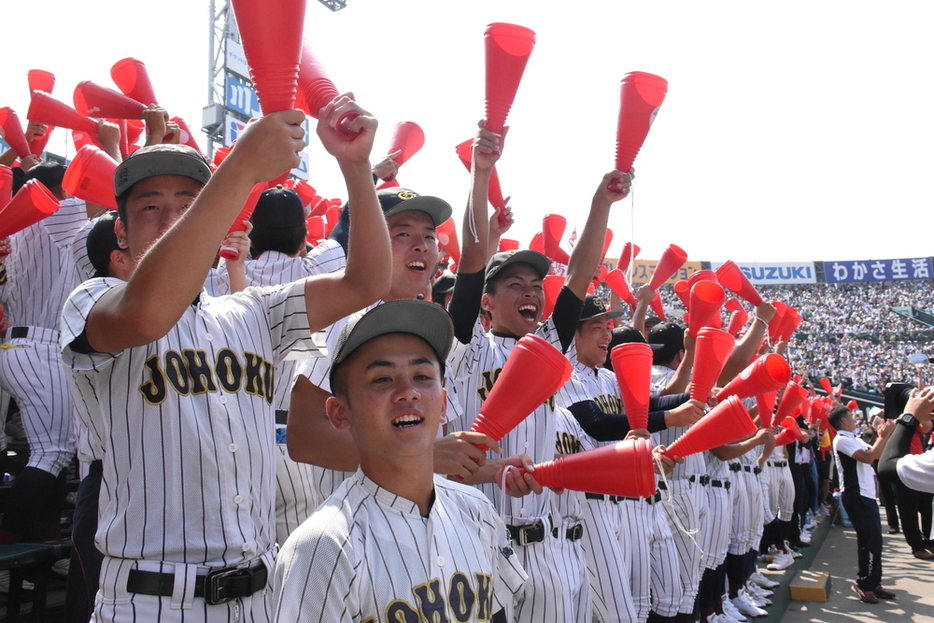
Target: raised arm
[[475, 231]]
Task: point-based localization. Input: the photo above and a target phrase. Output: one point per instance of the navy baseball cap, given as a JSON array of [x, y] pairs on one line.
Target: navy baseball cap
[[278, 208], [500, 261]]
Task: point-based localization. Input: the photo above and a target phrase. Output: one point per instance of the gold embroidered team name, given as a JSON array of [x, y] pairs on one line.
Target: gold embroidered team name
[[489, 379], [462, 602], [609, 403], [189, 373]]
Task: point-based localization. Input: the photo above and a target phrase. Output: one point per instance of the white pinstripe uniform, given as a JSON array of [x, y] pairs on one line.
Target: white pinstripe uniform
[[688, 506], [188, 457], [368, 555], [719, 512], [546, 595], [294, 481], [781, 486], [613, 551], [40, 275], [748, 515]]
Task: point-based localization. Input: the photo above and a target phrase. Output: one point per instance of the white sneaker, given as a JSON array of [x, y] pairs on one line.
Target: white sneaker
[[759, 578], [730, 610], [742, 604], [757, 600], [754, 589], [780, 561], [791, 551], [805, 537], [5, 583], [60, 567]]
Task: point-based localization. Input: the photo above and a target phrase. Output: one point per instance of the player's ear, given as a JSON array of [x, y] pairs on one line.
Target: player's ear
[[120, 231], [486, 302], [337, 413]]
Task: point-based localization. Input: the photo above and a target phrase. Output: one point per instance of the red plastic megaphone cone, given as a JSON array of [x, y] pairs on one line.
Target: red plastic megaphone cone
[[625, 468], [315, 227], [825, 383], [82, 138], [231, 253], [792, 397], [600, 275], [640, 95], [683, 290], [728, 422], [766, 373], [706, 299], [97, 101], [508, 47], [791, 324], [304, 190], [712, 348], [733, 279], [632, 364], [766, 403], [791, 432], [516, 393], [317, 90], [702, 275], [508, 244], [630, 252], [657, 306], [90, 176], [38, 143], [738, 320], [271, 33], [672, 259], [407, 137], [131, 77], [733, 304], [616, 281], [553, 227], [552, 285], [40, 80], [536, 243], [447, 237], [495, 192], [852, 405], [32, 203], [6, 185], [775, 324], [43, 108], [332, 215], [13, 132]]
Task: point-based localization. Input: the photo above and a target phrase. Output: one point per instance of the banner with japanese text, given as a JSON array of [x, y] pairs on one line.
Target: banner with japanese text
[[901, 269]]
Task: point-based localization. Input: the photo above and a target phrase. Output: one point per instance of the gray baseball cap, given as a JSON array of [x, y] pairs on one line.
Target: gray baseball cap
[[162, 159], [539, 263]]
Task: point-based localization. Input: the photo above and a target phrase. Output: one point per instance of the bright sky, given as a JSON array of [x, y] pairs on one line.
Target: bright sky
[[791, 131]]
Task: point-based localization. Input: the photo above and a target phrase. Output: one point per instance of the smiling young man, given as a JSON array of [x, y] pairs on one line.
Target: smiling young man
[[185, 381], [395, 542]]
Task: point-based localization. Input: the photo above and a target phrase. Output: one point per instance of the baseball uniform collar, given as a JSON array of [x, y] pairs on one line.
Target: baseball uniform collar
[[387, 498]]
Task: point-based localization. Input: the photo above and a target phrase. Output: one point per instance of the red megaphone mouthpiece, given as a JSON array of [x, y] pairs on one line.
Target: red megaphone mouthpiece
[[318, 91], [657, 306]]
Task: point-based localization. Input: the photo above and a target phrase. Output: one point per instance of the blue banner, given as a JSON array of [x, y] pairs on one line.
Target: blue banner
[[901, 269], [241, 98]]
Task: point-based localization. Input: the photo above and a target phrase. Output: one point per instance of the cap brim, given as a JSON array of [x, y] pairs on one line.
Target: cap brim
[[438, 209]]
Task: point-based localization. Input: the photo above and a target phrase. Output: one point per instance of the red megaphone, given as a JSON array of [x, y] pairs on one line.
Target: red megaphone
[[271, 33], [332, 215], [131, 77], [775, 324], [712, 348], [738, 320], [640, 95], [508, 47], [733, 304], [632, 364], [43, 108], [706, 299], [516, 393], [6, 185], [852, 405], [791, 431], [407, 137], [494, 192], [187, 138], [231, 253], [552, 231], [672, 259], [616, 281], [625, 469], [607, 239], [657, 306], [32, 203], [683, 290], [630, 252], [552, 285], [508, 244], [90, 176], [728, 422], [447, 237], [315, 227], [794, 395], [766, 373], [766, 403], [733, 279], [825, 383], [701, 275], [97, 101], [305, 191], [40, 80], [318, 91], [13, 132]]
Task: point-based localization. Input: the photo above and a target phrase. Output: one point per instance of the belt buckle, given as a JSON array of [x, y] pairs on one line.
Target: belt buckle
[[576, 532], [215, 586]]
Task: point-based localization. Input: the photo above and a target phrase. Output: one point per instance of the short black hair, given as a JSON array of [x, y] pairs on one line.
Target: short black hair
[[49, 173], [339, 375], [836, 415], [287, 240]]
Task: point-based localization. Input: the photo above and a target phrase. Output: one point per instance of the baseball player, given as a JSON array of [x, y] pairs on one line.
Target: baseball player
[[511, 290], [395, 542], [184, 381]]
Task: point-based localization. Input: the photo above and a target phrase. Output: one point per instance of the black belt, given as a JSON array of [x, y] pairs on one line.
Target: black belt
[[736, 467], [705, 479], [778, 463], [523, 535], [693, 478], [720, 483], [282, 416], [574, 533], [217, 587], [599, 496], [751, 469], [18, 332], [652, 499]]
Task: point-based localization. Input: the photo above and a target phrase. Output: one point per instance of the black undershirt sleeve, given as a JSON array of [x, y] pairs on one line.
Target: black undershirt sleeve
[[465, 304], [566, 315], [610, 426], [898, 445]]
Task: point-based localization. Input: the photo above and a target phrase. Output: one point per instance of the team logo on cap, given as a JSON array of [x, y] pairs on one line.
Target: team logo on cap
[[405, 195], [598, 303]]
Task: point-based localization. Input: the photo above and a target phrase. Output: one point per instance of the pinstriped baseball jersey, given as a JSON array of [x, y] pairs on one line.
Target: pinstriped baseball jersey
[[187, 425], [694, 464], [478, 364], [367, 555], [273, 267]]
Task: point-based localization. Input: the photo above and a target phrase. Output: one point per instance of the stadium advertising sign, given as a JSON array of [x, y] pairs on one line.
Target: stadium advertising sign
[[241, 97], [777, 272], [642, 270], [901, 269]]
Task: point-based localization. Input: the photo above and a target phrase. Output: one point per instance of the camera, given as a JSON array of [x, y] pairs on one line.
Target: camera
[[896, 397]]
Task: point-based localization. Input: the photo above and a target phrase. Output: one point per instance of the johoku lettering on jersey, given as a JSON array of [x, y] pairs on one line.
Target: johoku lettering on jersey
[[190, 373]]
